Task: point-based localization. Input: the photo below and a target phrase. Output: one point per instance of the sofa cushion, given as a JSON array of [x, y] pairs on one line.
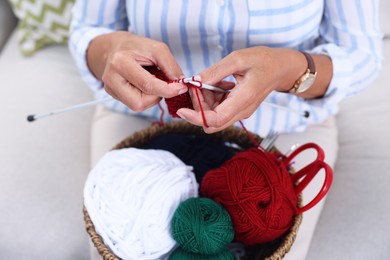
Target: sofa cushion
[[7, 22], [42, 22], [43, 164], [355, 221]]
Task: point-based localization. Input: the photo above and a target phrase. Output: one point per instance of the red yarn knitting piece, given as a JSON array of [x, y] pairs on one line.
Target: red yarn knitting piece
[[256, 189], [179, 101], [174, 103]]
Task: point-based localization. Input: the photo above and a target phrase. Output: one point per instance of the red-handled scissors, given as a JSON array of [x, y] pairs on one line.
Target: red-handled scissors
[[304, 176]]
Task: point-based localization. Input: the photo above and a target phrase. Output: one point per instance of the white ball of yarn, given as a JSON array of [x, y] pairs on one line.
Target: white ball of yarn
[[131, 195]]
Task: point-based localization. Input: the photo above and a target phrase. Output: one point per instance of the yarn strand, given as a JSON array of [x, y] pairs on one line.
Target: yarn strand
[[182, 100], [201, 108]]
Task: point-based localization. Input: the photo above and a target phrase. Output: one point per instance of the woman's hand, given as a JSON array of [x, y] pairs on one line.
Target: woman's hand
[[118, 59], [258, 71]]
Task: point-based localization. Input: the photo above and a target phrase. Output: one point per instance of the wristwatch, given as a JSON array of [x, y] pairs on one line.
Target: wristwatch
[[307, 79]]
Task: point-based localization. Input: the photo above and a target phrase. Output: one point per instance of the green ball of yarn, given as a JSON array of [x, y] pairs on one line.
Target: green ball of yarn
[[180, 254], [202, 226]]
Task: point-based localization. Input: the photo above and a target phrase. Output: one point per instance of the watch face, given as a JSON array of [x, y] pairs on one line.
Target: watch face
[[306, 83]]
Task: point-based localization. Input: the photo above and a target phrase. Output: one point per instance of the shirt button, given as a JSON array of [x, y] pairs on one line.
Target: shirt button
[[219, 47]]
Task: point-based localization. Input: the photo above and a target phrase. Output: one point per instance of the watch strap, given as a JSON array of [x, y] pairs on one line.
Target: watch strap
[[310, 62], [311, 69]]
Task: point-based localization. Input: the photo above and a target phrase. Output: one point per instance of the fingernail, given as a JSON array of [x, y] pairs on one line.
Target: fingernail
[[197, 77], [182, 91], [181, 115]]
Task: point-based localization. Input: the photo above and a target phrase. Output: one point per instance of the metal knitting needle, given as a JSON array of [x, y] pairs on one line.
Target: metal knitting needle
[[304, 113], [32, 118], [203, 85], [292, 148]]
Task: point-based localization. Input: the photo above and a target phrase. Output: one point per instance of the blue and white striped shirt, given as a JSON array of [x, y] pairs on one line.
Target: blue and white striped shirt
[[201, 32]]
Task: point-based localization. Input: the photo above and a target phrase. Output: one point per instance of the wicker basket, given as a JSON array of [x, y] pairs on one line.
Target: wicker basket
[[273, 250]]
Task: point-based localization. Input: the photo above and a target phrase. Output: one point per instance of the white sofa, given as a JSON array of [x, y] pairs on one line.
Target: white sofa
[[43, 164]]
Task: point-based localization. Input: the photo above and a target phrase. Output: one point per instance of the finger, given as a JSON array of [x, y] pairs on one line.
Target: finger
[[132, 97], [202, 115], [234, 108], [148, 83], [205, 99], [237, 105], [167, 62], [201, 107], [219, 71], [198, 99], [226, 85], [196, 118]]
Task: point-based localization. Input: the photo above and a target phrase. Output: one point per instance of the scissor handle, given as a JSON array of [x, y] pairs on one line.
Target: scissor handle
[[320, 152], [307, 173]]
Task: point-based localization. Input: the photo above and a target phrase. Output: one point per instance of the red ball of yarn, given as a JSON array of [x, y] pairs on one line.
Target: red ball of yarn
[[174, 103], [256, 189]]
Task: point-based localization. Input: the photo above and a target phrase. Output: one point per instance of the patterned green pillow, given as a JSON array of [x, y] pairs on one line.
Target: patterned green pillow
[[42, 22]]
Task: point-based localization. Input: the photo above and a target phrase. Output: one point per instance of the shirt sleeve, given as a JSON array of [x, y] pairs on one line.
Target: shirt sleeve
[[89, 20], [351, 37]]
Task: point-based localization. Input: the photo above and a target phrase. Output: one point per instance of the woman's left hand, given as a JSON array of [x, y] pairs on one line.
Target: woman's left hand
[[257, 70]]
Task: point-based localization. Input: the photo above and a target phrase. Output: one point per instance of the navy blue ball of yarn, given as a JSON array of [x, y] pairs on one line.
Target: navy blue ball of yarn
[[203, 152]]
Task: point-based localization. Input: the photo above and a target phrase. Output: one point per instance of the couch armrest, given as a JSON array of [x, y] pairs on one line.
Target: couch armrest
[[8, 22]]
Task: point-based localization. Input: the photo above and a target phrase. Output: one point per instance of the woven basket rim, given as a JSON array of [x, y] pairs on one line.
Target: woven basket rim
[[231, 134]]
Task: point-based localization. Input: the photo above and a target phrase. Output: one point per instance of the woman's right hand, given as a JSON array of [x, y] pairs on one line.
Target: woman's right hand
[[118, 59]]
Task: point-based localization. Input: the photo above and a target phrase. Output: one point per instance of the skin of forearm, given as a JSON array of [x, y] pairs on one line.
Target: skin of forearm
[[295, 65]]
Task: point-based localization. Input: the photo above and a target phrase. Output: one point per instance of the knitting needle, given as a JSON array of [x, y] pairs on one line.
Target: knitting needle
[[203, 85], [292, 148], [32, 118], [304, 113]]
